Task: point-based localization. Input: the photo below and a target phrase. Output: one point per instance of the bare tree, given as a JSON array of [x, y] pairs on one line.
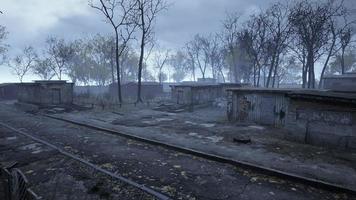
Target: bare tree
[[80, 64], [339, 40], [311, 24], [60, 54], [279, 32], [160, 60], [179, 65], [23, 63], [121, 16], [199, 50], [103, 53], [42, 68], [253, 38], [3, 46], [345, 39], [190, 58], [147, 12], [231, 26]]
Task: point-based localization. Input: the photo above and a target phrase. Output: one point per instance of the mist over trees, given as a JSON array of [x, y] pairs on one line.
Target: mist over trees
[[3, 45], [280, 44]]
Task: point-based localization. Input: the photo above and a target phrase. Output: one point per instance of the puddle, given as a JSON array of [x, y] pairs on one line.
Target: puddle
[[195, 135], [34, 147], [149, 122], [164, 119], [257, 127], [208, 125], [215, 139], [191, 123]]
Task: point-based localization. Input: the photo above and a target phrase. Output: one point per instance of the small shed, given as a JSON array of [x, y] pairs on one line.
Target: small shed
[[46, 93], [201, 93], [318, 117]]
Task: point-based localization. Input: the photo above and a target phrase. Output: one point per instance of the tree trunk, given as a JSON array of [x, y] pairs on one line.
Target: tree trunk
[[310, 66], [112, 68], [270, 71], [118, 66], [254, 75], [343, 60], [326, 64], [140, 67], [275, 74]]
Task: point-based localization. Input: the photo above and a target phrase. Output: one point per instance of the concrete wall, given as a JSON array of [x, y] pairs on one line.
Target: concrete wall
[[8, 91], [46, 93], [345, 83], [322, 124]]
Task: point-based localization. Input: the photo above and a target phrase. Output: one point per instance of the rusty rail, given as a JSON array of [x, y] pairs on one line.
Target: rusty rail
[[143, 188]]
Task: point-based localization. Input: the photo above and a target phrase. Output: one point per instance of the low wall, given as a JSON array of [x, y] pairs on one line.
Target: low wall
[[343, 83], [322, 124]]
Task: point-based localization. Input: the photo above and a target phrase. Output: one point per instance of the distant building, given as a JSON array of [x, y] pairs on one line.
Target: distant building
[[149, 90], [91, 89], [201, 93], [207, 80], [340, 83], [8, 91], [46, 93]]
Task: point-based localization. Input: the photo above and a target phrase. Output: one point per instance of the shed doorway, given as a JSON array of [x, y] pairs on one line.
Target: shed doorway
[[56, 96]]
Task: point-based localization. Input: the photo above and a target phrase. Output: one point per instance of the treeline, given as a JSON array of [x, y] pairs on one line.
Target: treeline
[[282, 43], [87, 61]]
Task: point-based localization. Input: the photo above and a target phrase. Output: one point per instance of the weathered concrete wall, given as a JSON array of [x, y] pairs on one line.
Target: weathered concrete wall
[[345, 83], [322, 124], [46, 93]]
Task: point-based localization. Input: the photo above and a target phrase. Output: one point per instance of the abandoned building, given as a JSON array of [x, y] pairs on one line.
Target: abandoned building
[[8, 91], [149, 90], [341, 83], [46, 93], [201, 93], [317, 117]]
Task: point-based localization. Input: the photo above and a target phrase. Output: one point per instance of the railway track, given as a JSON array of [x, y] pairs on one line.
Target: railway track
[[260, 169], [162, 168], [153, 193]]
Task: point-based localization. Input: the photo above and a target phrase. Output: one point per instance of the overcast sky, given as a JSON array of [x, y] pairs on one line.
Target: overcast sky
[[30, 22]]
